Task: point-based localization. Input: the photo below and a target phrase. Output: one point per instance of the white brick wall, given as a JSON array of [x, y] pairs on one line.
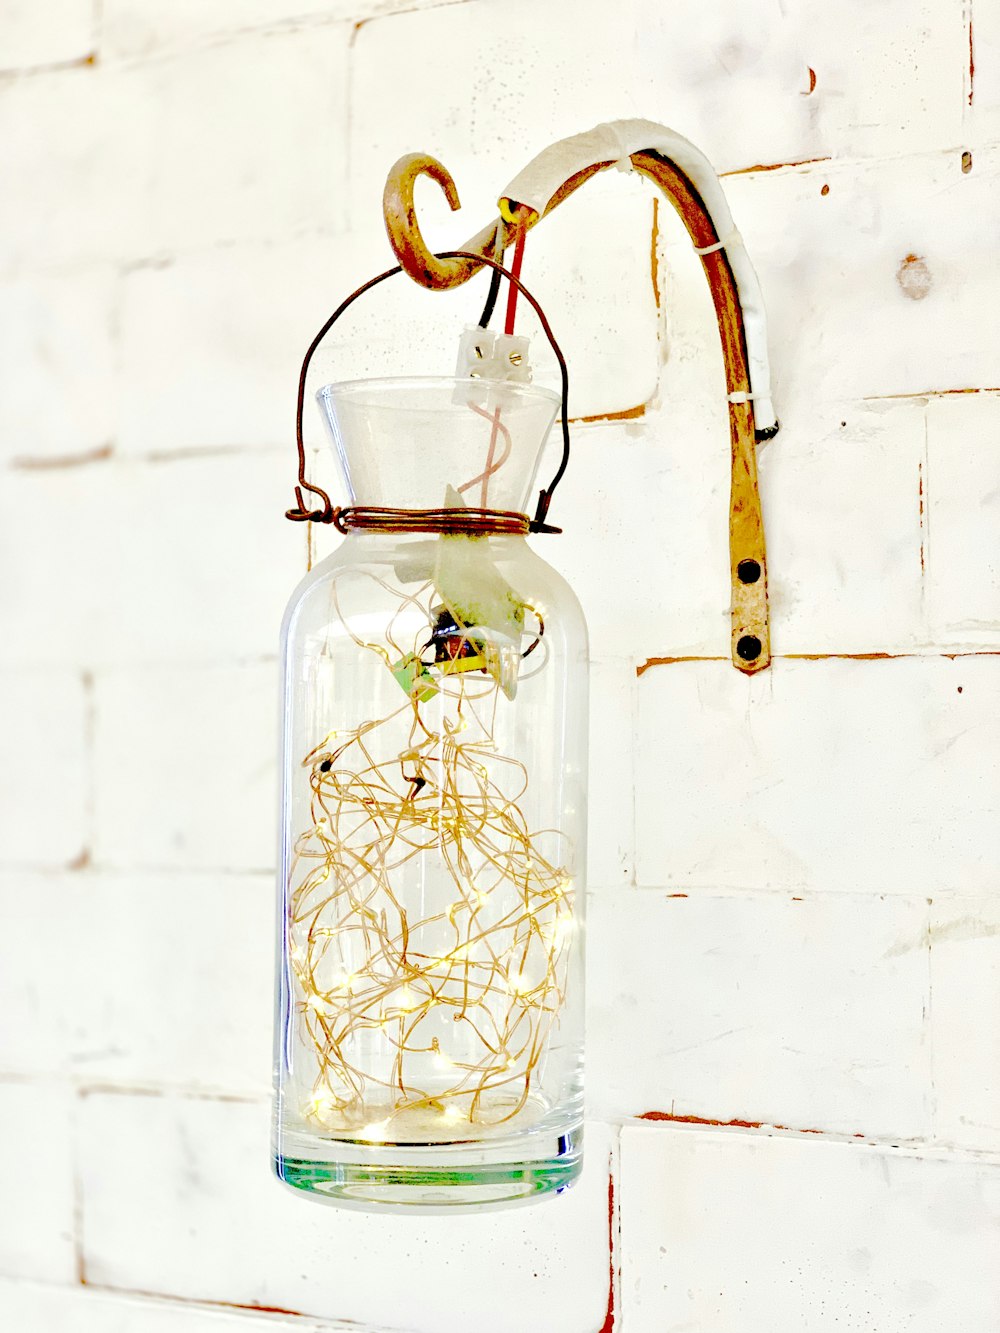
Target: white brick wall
[[794, 938]]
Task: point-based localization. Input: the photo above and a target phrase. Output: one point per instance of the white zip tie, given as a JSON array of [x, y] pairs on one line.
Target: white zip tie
[[741, 396], [731, 239], [615, 143]]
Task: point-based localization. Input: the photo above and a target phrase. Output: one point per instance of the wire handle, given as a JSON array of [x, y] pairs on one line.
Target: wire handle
[[329, 512]]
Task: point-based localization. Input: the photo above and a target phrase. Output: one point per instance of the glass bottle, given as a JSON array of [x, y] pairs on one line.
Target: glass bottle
[[429, 1032]]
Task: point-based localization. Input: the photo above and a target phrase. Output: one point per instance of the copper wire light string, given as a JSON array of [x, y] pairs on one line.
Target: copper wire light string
[[501, 974], [383, 793]]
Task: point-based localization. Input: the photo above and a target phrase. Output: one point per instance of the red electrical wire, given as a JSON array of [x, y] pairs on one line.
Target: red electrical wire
[[515, 268]]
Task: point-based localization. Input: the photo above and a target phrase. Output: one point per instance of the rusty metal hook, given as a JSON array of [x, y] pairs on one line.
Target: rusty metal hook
[[681, 172], [416, 257]]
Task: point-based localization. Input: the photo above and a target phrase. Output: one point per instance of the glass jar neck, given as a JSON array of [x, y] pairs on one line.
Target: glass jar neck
[[439, 443]]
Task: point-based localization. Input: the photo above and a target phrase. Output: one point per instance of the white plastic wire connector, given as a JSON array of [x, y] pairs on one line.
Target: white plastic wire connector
[[486, 355]]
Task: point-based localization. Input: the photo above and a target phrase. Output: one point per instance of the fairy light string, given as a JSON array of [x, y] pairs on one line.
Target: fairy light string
[[421, 1013], [462, 996]]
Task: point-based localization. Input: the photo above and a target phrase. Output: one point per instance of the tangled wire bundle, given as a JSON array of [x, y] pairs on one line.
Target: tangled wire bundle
[[429, 933]]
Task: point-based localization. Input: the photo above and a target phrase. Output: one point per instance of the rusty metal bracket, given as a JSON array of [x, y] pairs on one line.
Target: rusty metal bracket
[[750, 633]]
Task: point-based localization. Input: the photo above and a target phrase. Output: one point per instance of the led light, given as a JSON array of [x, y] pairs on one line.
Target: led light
[[374, 1131], [453, 1114], [320, 1106], [562, 929]]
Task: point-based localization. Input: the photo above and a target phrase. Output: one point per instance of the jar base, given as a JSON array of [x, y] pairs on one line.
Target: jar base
[[458, 1179]]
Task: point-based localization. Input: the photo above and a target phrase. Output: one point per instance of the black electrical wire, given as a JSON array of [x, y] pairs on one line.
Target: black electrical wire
[[491, 299], [494, 292]]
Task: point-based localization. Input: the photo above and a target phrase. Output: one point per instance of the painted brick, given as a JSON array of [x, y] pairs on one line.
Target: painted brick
[[43, 918], [149, 169], [209, 1224], [43, 795], [868, 294], [699, 72], [841, 491], [156, 727], [832, 775], [57, 344], [28, 1305], [233, 326], [133, 28], [138, 1017], [36, 1165], [724, 1231], [840, 488], [188, 559], [805, 1013], [80, 135], [965, 980], [34, 36], [610, 858], [645, 543], [963, 520]]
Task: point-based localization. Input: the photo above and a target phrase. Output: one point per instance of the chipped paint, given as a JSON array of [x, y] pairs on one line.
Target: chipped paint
[[928, 393], [669, 661], [626, 414], [775, 166], [707, 1122], [609, 1315], [654, 255], [972, 56], [824, 657], [914, 277]]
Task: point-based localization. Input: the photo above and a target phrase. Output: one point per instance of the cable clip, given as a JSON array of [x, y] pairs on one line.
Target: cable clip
[[733, 238]]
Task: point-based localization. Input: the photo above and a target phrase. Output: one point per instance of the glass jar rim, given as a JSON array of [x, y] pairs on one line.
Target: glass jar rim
[[355, 387]]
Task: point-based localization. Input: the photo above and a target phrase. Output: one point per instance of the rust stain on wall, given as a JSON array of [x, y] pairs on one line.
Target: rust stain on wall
[[654, 258], [972, 57], [824, 657], [726, 1124], [669, 661], [775, 166], [609, 1316], [626, 414], [702, 1120]]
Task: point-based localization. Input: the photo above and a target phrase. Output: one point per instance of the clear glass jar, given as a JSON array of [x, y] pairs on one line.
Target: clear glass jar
[[430, 975]]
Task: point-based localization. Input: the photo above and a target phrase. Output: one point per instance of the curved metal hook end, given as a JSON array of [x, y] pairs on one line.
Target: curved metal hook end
[[415, 256]]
